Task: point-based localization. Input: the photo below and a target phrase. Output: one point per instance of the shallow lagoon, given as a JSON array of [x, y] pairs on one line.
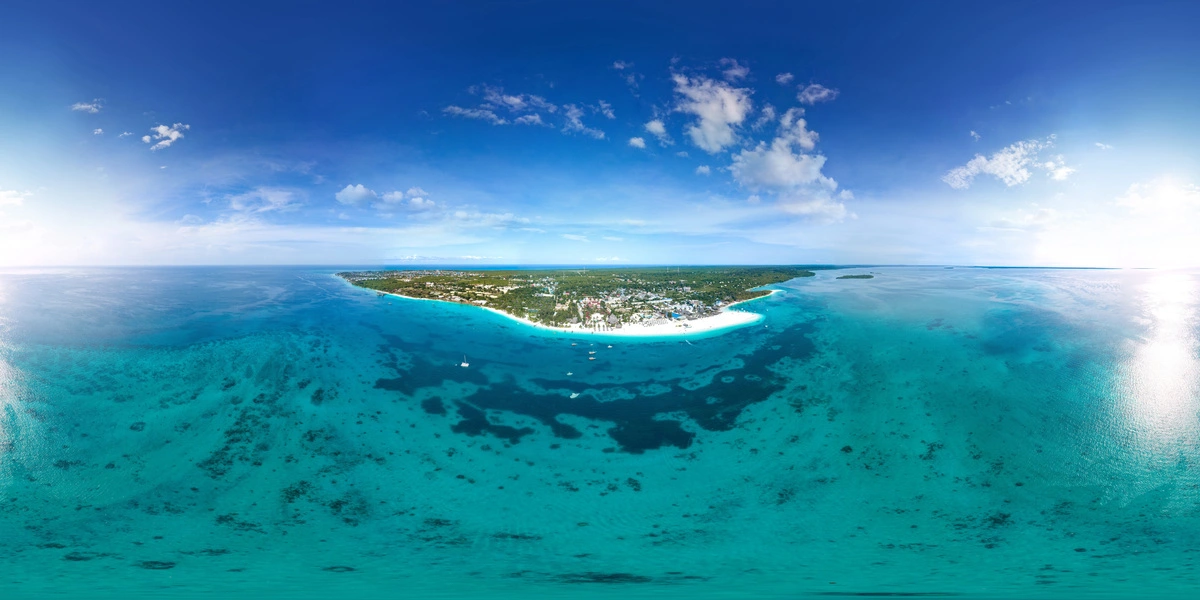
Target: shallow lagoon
[[974, 432]]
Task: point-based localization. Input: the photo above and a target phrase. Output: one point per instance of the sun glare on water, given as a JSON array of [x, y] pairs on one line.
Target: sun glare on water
[[1162, 378]]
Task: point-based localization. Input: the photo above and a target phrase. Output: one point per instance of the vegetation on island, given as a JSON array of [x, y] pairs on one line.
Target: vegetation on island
[[591, 298], [857, 277]]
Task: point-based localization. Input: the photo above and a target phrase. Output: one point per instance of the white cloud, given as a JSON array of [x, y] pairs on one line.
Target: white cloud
[[819, 206], [609, 259], [125, 134], [975, 136], [1057, 169], [13, 197], [166, 135], [659, 130], [785, 163], [355, 194], [682, 154], [263, 199], [534, 119], [494, 97], [97, 131], [92, 107], [1011, 165], [1103, 146], [415, 199], [575, 237], [574, 116], [718, 107], [703, 170], [765, 117], [1161, 196], [815, 93], [784, 78], [621, 65], [790, 170], [482, 114], [733, 71], [613, 238], [637, 142], [606, 109]]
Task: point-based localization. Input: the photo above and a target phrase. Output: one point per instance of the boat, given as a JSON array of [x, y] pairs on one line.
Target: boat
[[591, 358], [465, 364], [574, 395], [591, 351]]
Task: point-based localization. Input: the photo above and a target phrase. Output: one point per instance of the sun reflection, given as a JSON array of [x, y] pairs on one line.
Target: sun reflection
[[1163, 376]]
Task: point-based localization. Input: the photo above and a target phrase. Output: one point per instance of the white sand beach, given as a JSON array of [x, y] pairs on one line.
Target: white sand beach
[[726, 319]]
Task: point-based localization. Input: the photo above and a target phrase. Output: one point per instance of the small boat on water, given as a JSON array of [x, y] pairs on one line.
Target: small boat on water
[[591, 351], [591, 358], [465, 364], [574, 395]]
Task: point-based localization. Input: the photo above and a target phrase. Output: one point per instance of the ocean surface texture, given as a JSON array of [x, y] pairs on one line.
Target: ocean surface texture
[[242, 432]]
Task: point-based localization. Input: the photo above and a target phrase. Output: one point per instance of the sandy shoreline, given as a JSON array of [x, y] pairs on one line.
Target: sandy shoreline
[[726, 319]]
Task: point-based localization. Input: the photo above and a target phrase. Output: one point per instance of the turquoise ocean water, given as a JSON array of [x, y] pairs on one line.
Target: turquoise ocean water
[[239, 432]]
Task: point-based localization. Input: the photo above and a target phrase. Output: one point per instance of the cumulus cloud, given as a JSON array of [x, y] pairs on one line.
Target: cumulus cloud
[[415, 199], [481, 114], [1057, 169], [97, 131], [621, 65], [658, 129], [790, 170], [718, 107], [125, 134], [1103, 146], [703, 170], [637, 142], [605, 109], [165, 135], [682, 154], [92, 107], [765, 117], [786, 162], [355, 195], [732, 70], [784, 78], [1011, 165], [975, 136], [815, 93], [574, 124], [264, 199]]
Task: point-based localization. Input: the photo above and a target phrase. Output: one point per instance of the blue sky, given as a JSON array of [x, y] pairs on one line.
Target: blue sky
[[599, 133]]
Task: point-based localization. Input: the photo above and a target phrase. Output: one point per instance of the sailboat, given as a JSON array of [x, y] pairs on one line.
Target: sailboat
[[465, 364]]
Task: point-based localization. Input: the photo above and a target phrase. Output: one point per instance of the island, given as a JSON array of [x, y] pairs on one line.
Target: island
[[864, 276], [626, 301]]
